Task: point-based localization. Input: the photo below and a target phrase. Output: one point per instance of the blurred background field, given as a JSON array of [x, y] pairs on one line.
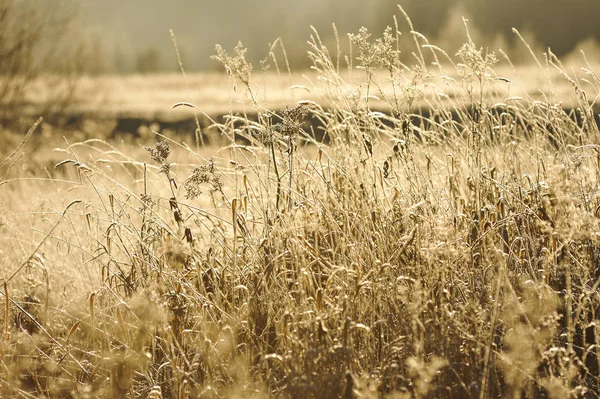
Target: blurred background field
[[106, 60]]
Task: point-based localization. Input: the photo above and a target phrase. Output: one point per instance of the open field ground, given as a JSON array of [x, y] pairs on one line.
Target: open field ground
[[439, 236], [152, 96]]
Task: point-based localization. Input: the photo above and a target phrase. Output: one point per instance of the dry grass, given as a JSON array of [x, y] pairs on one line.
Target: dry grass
[[455, 256]]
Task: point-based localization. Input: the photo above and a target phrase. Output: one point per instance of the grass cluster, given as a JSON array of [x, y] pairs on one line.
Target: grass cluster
[[447, 253]]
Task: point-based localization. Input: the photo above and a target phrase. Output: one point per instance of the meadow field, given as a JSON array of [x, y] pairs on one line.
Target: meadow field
[[370, 228]]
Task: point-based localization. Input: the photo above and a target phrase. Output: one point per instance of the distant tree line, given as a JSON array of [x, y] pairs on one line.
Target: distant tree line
[[115, 36], [559, 24]]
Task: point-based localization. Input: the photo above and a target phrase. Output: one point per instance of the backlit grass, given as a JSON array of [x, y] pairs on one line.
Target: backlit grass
[[452, 253]]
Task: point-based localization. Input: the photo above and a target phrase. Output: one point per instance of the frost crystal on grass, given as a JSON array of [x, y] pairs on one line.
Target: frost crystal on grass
[[160, 152], [202, 174]]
